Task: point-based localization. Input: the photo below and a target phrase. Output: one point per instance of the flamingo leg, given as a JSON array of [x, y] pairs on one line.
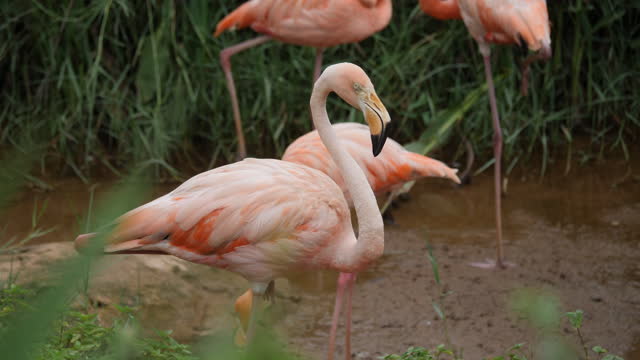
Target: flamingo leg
[[544, 54], [225, 60], [256, 307], [497, 151], [347, 336], [258, 290], [465, 176], [317, 68], [343, 281]]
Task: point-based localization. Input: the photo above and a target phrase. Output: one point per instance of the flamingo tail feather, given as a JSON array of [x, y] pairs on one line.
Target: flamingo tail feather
[[426, 166], [238, 19]]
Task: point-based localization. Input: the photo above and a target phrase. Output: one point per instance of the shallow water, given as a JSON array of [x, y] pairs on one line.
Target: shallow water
[[62, 210], [575, 236]]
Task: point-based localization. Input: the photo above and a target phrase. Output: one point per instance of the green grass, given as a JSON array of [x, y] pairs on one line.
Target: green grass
[[79, 335], [120, 81]]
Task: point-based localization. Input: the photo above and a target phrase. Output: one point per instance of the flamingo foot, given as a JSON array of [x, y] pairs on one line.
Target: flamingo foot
[[492, 264], [388, 218]]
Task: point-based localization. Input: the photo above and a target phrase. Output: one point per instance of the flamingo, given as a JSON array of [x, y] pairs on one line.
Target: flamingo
[[264, 218], [316, 23], [385, 173], [500, 22]]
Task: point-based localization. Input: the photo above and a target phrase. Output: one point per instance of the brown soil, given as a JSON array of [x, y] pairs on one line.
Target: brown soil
[[575, 237]]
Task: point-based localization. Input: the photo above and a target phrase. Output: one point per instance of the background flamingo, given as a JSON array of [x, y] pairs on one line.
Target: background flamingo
[[317, 23], [501, 22], [385, 173], [262, 218]]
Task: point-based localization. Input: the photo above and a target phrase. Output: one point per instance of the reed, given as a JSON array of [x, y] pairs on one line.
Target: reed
[[110, 82]]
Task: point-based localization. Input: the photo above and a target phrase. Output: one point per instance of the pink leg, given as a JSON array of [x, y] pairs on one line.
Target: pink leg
[[256, 310], [225, 60], [545, 53], [343, 281], [317, 69], [497, 151], [347, 336]]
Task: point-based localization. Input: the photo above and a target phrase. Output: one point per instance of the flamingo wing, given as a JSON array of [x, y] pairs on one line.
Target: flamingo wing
[[516, 21], [319, 23], [267, 207]]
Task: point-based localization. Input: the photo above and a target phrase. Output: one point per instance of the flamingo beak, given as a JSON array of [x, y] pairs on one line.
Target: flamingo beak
[[377, 117], [377, 142]]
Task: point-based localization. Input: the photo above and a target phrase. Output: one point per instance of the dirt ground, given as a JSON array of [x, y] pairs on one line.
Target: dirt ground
[[575, 237]]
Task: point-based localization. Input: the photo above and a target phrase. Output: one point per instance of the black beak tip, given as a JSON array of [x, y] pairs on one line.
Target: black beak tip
[[377, 142]]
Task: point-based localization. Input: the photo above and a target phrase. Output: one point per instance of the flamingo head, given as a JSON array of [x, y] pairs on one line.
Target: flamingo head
[[353, 85]]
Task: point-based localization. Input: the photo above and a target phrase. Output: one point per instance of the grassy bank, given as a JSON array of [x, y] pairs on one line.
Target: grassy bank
[[109, 83]]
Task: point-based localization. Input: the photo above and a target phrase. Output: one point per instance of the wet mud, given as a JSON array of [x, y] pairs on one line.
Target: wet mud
[[576, 237]]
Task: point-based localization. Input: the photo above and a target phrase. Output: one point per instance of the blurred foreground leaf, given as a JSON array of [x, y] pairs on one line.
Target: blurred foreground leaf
[[27, 331]]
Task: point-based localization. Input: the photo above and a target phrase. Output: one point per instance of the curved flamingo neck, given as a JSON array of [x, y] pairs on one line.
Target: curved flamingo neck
[[441, 9], [370, 243]]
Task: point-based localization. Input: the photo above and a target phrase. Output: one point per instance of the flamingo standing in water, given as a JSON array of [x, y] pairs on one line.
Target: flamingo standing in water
[[316, 23], [501, 22], [264, 218], [385, 173]]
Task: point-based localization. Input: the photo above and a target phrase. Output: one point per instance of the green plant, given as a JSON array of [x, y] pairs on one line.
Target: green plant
[[12, 298], [516, 352], [35, 232], [79, 335], [575, 320], [442, 294], [419, 353]]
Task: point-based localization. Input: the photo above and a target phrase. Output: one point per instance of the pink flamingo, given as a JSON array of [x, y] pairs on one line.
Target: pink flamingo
[[501, 22], [385, 173], [263, 218], [316, 23]]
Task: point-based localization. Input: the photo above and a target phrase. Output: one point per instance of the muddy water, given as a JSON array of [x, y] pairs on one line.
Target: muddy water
[[59, 213], [576, 237]]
